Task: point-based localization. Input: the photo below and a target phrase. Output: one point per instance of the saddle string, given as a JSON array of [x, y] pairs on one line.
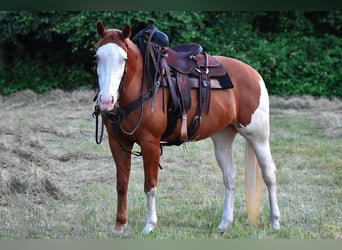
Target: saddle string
[[203, 94]]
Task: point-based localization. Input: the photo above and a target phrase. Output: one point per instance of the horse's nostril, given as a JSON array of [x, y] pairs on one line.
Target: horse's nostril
[[106, 101]]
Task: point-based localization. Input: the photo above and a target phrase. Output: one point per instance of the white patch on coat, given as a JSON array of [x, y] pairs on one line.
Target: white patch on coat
[[151, 220], [111, 60], [259, 125]]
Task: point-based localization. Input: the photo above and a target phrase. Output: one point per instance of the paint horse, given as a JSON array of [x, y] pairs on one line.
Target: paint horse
[[135, 108]]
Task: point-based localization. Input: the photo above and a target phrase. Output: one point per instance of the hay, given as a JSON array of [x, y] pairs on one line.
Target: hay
[[327, 112], [29, 134], [43, 139], [29, 181]]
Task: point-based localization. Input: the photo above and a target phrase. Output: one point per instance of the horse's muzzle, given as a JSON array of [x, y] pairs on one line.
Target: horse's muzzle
[[106, 103]]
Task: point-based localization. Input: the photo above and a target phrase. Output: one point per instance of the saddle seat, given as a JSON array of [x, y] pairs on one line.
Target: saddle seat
[[185, 58], [187, 50]]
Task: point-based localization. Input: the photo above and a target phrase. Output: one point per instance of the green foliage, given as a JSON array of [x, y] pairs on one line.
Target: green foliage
[[41, 78], [296, 52], [293, 68]]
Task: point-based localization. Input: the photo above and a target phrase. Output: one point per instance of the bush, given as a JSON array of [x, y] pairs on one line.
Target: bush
[[307, 67], [296, 52], [41, 78]]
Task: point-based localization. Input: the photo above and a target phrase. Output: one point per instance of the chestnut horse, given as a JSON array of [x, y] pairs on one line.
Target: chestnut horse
[[242, 109]]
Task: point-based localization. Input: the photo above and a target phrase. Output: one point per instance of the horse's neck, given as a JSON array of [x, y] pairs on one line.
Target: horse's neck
[[134, 74]]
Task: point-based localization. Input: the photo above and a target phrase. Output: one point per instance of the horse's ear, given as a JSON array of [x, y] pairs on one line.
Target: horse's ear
[[126, 31], [100, 29]]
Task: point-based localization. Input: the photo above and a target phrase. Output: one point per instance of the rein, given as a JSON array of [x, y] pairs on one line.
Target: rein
[[116, 122], [144, 97], [96, 114]]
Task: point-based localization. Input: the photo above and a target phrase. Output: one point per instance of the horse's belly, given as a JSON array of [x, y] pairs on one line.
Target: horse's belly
[[222, 113]]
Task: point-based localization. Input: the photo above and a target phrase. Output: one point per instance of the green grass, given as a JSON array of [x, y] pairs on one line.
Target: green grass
[[191, 193]]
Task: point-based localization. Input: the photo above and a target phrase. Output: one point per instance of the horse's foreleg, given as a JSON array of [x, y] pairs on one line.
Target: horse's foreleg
[[151, 157], [123, 167], [223, 142], [151, 218], [122, 177]]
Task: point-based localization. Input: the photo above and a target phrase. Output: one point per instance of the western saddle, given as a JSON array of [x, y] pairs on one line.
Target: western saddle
[[180, 68]]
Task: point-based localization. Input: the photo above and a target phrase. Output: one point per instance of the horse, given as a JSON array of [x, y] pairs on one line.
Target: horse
[[132, 114]]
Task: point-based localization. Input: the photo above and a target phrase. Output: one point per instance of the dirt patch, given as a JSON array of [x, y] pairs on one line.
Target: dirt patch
[[36, 130]]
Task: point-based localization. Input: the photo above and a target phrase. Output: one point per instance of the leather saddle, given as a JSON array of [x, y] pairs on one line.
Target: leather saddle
[[185, 58], [180, 68], [191, 67]]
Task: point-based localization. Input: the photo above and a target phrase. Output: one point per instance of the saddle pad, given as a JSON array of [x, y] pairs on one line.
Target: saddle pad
[[225, 82], [221, 82]]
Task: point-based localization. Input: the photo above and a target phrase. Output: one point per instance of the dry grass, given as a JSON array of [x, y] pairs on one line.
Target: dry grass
[[55, 182], [327, 112]]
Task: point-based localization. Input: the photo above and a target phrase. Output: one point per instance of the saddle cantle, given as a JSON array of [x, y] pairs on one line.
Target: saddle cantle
[[180, 57]]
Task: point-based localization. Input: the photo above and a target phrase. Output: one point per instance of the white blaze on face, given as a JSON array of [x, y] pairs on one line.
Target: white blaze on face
[[111, 60]]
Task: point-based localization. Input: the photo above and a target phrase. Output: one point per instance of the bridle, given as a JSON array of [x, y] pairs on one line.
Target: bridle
[[117, 115]]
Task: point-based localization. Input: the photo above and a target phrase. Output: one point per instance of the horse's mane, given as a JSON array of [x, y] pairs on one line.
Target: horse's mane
[[151, 43]]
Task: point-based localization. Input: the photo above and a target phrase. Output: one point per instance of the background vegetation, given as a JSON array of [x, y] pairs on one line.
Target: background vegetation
[[297, 52]]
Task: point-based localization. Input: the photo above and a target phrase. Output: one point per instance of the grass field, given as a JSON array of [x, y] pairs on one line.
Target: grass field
[[57, 183]]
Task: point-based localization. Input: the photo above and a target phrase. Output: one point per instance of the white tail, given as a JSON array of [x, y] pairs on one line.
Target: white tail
[[253, 182]]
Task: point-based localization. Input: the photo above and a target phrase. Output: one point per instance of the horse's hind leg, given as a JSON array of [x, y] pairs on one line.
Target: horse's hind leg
[[268, 168], [223, 145], [257, 134]]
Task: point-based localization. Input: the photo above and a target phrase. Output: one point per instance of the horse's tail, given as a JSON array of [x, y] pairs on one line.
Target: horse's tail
[[253, 180]]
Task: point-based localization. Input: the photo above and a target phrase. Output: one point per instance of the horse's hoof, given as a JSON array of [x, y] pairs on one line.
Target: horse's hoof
[[148, 228], [224, 225], [119, 228], [276, 225]]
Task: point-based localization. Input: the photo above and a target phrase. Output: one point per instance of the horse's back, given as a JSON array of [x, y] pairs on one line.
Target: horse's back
[[247, 87]]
